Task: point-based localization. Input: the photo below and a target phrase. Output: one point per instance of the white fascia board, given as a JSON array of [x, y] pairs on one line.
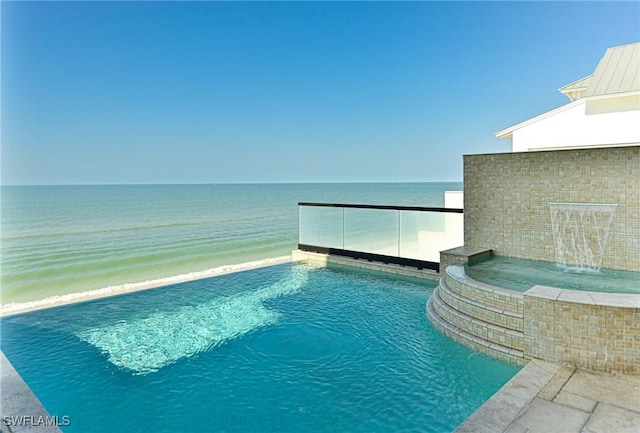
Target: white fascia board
[[507, 133], [585, 146], [613, 95]]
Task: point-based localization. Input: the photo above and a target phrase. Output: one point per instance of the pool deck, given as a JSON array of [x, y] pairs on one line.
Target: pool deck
[[548, 398], [21, 409]]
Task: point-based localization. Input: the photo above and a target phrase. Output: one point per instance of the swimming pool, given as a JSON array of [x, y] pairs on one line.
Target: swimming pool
[[520, 275], [286, 348]]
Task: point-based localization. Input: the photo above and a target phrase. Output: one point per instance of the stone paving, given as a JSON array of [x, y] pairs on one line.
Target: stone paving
[[17, 400], [548, 398]]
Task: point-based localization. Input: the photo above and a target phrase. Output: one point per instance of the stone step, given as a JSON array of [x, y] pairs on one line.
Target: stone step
[[479, 310], [483, 331], [507, 301], [477, 344]]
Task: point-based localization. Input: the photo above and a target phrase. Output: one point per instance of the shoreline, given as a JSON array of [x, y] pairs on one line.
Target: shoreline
[[13, 308]]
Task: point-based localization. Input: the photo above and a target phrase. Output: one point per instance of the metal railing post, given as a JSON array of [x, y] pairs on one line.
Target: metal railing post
[[398, 232], [343, 228]]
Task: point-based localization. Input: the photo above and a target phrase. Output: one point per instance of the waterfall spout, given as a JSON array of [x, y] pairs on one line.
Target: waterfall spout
[[580, 233]]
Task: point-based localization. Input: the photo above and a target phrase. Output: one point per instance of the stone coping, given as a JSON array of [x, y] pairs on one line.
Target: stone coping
[[468, 252], [20, 405], [622, 300], [545, 397], [458, 272]]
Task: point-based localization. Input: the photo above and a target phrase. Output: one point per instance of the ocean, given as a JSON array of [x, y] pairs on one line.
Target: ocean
[[61, 240]]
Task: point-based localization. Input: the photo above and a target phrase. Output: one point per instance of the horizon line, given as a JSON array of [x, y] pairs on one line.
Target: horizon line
[[234, 183]]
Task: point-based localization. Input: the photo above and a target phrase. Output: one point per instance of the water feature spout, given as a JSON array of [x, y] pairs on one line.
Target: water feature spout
[[580, 233]]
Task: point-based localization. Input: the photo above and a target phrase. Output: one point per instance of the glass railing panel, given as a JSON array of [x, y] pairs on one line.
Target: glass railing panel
[[424, 234], [321, 226], [371, 231]]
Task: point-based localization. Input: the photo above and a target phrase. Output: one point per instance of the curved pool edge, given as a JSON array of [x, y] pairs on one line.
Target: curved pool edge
[[485, 318], [593, 330]]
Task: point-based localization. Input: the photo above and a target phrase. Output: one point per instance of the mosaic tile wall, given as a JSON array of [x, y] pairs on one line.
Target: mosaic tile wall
[[570, 327], [593, 330], [507, 196]]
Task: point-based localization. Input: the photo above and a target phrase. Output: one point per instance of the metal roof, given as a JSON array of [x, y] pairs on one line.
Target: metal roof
[[617, 72], [582, 83], [576, 89]]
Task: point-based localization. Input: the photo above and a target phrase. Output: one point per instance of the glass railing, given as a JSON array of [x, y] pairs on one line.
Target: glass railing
[[404, 235]]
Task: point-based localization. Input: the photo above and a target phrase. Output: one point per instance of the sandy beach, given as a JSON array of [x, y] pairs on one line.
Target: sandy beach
[[72, 298]]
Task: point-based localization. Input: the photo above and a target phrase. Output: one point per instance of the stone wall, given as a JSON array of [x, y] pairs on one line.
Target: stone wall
[[507, 196], [594, 330], [599, 331]]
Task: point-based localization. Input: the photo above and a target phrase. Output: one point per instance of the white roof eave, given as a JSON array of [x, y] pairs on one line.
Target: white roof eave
[[613, 95], [507, 133], [573, 85]]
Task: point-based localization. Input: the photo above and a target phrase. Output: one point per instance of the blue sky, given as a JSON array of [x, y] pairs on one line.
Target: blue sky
[[198, 92]]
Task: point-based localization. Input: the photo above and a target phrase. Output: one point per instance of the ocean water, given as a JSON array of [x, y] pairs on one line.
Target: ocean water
[[57, 240]]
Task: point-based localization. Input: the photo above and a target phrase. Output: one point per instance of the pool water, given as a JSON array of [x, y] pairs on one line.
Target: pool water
[[521, 275], [289, 348]]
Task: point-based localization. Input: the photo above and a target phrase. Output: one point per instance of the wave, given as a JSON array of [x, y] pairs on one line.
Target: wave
[[71, 298], [224, 225], [95, 232], [25, 257]]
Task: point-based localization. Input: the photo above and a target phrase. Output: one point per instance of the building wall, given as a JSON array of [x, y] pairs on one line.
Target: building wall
[[507, 196], [572, 126], [613, 105]]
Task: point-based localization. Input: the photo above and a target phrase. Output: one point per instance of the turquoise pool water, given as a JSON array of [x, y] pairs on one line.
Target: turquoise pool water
[[289, 348], [521, 275]]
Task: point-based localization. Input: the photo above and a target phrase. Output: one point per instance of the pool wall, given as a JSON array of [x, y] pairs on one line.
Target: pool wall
[[328, 260], [507, 196], [598, 331]]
